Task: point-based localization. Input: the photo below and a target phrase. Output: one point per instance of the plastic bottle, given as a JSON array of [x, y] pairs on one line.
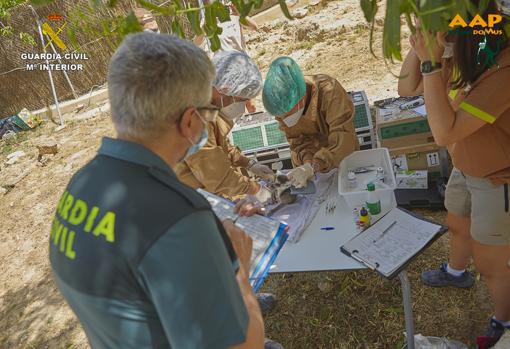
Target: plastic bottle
[[373, 202], [364, 218], [379, 176], [351, 178]]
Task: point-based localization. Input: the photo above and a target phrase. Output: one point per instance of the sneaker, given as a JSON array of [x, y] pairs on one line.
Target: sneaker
[[493, 334], [267, 301], [270, 344], [441, 278], [495, 329]]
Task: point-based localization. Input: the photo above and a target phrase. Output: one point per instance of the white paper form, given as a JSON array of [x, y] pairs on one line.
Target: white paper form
[[261, 229], [392, 241], [421, 110]]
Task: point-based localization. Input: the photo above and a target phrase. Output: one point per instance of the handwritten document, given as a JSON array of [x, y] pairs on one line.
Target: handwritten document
[[392, 241], [261, 229]]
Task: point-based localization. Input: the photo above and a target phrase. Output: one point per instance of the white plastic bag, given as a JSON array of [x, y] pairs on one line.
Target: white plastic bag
[[422, 342]]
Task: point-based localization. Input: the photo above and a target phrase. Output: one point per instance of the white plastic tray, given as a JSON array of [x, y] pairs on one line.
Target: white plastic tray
[[373, 158]]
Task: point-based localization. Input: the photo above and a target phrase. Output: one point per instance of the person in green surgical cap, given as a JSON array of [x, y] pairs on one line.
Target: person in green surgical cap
[[316, 114]]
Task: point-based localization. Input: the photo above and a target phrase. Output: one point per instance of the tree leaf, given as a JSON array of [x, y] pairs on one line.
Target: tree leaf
[[391, 33], [246, 9], [221, 11], [434, 14], [239, 5], [164, 10], [284, 8], [112, 3], [194, 20], [71, 35], [128, 25], [471, 8], [482, 6], [258, 3], [177, 4], [177, 28], [215, 43], [211, 25], [369, 8]]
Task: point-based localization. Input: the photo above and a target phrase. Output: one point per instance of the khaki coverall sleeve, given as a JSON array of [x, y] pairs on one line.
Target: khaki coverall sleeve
[[236, 156], [338, 110], [212, 167], [300, 147]]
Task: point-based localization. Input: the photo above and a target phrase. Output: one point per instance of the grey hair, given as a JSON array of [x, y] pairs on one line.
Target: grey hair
[[153, 79]]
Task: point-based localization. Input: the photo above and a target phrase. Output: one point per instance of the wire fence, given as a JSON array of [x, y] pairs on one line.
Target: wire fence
[[23, 88]]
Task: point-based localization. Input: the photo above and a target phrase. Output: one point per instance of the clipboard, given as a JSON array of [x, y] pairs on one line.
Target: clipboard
[[268, 236], [390, 251]]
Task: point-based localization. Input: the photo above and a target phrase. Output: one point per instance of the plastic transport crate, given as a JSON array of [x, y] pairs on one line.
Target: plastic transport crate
[[371, 158]]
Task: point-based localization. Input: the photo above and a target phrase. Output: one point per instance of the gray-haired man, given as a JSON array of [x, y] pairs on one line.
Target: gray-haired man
[[140, 257]]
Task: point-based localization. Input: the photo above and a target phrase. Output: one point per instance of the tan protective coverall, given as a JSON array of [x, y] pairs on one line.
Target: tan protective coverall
[[215, 167], [325, 133]]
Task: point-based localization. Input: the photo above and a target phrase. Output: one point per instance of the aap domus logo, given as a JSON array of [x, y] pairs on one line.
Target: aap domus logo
[[479, 25]]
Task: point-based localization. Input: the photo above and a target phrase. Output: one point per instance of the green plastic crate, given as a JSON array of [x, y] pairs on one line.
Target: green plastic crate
[[248, 138], [406, 129], [360, 116], [274, 135]]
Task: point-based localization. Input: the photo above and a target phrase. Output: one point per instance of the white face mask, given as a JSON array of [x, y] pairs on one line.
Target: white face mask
[[234, 110], [293, 118], [448, 50]]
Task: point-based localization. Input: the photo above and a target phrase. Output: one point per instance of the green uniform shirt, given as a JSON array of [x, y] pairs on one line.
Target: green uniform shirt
[[141, 258]]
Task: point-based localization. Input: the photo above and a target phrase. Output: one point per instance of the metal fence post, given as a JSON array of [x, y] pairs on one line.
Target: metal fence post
[[53, 90]]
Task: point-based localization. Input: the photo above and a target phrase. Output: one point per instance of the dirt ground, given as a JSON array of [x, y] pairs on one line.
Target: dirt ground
[[320, 310]]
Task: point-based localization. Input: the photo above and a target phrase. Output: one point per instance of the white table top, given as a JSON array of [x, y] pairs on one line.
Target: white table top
[[319, 250]]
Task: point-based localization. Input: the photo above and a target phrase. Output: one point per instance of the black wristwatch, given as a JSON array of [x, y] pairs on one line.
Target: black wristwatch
[[427, 67]]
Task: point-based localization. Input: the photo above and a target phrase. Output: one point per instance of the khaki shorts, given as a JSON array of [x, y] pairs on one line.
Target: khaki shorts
[[487, 205]]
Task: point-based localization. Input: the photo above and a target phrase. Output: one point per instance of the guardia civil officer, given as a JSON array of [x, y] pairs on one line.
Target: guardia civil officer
[[140, 257]]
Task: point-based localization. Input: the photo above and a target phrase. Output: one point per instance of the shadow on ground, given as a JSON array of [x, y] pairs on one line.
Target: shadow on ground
[[32, 317]]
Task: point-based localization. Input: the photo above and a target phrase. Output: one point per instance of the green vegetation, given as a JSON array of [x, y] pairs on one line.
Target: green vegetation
[[434, 16]]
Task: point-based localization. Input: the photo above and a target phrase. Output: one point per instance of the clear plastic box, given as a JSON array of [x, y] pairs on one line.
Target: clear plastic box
[[372, 159]]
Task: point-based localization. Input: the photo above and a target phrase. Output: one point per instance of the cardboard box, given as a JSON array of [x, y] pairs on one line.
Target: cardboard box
[[412, 179], [416, 157], [398, 128]]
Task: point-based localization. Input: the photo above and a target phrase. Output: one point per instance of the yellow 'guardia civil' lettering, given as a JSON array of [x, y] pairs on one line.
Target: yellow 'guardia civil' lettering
[[63, 237], [75, 212]]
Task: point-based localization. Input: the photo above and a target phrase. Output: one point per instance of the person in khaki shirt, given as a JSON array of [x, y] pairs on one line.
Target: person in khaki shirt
[[469, 112], [316, 114], [217, 167]]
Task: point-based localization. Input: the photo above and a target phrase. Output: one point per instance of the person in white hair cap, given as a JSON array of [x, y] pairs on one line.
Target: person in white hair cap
[[216, 166]]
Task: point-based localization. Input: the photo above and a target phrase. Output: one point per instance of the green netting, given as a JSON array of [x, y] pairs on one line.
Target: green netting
[[360, 116], [274, 135], [248, 138]]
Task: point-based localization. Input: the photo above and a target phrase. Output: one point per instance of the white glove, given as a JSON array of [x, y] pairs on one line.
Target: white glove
[[261, 171], [264, 195], [300, 176]]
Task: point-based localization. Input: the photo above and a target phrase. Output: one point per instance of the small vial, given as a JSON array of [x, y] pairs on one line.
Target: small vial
[[379, 176], [355, 215], [364, 218], [351, 178]]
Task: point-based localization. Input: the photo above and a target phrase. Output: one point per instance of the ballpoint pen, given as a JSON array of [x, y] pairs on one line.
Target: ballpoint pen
[[385, 231]]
